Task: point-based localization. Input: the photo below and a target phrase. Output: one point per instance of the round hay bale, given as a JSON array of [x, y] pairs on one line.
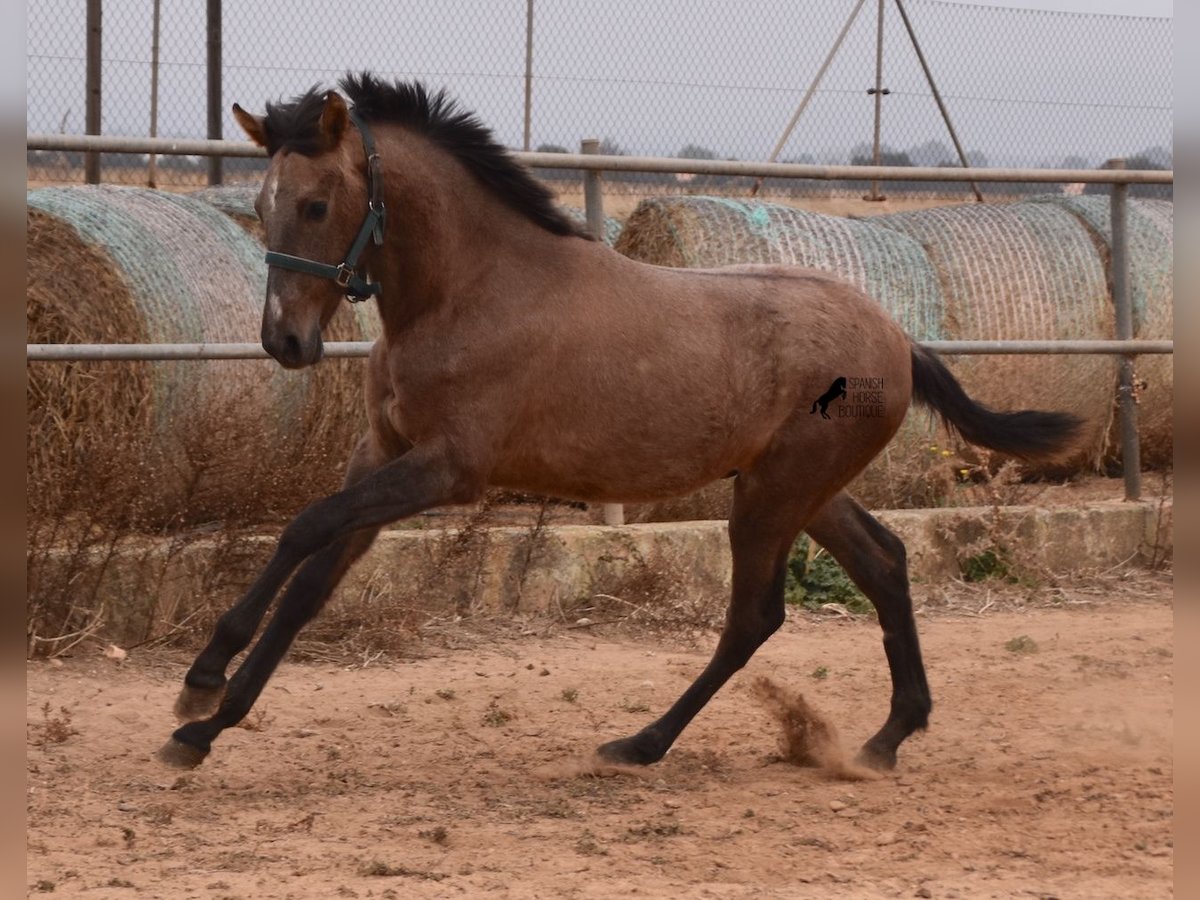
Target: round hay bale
[[1151, 265], [1023, 271], [160, 444], [237, 202]]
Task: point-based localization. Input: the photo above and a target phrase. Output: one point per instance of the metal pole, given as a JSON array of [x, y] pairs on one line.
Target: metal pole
[[808, 95], [91, 166], [214, 86], [593, 207], [528, 71], [937, 96], [348, 349], [152, 178], [878, 92], [1131, 455], [83, 143]]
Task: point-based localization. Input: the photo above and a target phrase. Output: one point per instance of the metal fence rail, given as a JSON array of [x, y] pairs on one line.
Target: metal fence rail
[[360, 349], [654, 164]]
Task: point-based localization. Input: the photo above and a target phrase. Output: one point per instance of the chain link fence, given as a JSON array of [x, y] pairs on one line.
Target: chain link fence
[[691, 78]]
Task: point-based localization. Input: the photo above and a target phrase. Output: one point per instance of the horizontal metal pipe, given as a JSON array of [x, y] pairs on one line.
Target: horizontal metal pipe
[[144, 352], [149, 352], [665, 165], [1086, 348]]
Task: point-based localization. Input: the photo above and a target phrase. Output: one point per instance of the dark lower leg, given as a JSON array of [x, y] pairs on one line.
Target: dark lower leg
[[875, 560], [755, 613], [305, 597]]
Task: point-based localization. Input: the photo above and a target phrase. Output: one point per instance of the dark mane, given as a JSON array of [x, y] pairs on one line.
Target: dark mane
[[293, 126]]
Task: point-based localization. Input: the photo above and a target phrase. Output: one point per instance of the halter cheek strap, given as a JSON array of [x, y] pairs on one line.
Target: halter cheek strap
[[345, 273]]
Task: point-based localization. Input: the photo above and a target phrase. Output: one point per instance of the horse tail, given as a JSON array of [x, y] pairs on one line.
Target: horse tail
[[1028, 434]]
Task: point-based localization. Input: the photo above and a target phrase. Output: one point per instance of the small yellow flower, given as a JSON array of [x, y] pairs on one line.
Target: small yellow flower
[[964, 472], [945, 453]]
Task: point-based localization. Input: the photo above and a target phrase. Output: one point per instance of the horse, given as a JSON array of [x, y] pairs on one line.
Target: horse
[[517, 352]]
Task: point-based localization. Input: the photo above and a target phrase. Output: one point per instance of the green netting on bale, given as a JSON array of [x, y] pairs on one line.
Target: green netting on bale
[[706, 232], [231, 199], [1022, 271], [612, 227], [1149, 227]]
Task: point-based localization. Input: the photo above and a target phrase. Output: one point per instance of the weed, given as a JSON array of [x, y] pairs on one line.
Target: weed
[[820, 673], [1021, 644], [384, 870], [56, 729], [439, 835], [648, 829], [570, 694], [814, 579], [588, 846], [994, 562], [495, 717]]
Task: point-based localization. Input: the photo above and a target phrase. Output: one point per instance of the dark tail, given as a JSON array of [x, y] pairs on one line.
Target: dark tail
[[1028, 434]]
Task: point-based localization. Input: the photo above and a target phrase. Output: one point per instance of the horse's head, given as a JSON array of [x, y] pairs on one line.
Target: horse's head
[[312, 207]]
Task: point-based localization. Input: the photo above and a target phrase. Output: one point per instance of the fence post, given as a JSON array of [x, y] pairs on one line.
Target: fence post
[[593, 207], [1131, 454], [91, 166], [214, 86]]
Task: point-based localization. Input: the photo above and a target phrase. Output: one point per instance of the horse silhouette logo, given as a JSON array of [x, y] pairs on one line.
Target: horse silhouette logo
[[837, 389]]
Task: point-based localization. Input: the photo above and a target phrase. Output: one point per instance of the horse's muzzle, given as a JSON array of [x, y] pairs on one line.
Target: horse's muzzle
[[293, 353]]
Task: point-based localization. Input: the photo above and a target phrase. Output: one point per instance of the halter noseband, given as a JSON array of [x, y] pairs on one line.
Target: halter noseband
[[345, 273]]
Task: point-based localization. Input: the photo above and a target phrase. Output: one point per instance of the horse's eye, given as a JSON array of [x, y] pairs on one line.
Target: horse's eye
[[316, 210]]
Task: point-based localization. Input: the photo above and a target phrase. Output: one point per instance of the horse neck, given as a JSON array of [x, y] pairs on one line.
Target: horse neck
[[444, 230]]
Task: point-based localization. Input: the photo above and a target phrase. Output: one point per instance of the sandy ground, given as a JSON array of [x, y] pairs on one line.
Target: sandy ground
[[1046, 772]]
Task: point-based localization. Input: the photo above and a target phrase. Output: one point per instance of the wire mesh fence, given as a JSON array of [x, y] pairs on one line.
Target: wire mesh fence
[[691, 78]]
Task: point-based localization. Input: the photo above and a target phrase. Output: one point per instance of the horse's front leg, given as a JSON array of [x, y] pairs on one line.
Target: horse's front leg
[[333, 532], [204, 683]]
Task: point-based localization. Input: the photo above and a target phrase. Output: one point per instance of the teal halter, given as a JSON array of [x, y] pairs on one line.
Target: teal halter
[[345, 273]]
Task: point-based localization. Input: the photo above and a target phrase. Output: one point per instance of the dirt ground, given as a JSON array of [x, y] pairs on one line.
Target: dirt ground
[[1046, 772]]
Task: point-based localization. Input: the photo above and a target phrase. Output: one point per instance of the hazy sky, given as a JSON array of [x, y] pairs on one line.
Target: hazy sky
[[1030, 83]]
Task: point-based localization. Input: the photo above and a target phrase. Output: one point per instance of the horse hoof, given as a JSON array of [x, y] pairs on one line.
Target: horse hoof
[[178, 755], [630, 751], [874, 758], [194, 703]]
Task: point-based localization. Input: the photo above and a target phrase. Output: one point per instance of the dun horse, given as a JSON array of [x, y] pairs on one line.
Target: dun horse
[[517, 352]]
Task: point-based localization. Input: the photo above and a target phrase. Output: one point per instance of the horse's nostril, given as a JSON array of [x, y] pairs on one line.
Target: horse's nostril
[[291, 347]]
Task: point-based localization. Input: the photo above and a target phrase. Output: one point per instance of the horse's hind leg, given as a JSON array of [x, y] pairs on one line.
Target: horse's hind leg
[[762, 527], [875, 560]]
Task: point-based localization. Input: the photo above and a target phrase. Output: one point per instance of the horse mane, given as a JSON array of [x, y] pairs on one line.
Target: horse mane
[[294, 126]]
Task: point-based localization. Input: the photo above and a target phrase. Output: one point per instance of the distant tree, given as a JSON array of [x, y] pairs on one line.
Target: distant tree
[[609, 147], [695, 151], [863, 154], [931, 153], [1075, 161], [550, 148], [1160, 191]]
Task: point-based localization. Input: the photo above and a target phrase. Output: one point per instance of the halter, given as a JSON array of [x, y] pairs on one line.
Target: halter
[[345, 273]]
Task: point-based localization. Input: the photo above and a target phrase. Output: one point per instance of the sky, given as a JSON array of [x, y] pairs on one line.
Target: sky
[[1030, 84]]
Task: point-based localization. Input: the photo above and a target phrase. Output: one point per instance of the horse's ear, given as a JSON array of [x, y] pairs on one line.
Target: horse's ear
[[252, 125], [335, 118]]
